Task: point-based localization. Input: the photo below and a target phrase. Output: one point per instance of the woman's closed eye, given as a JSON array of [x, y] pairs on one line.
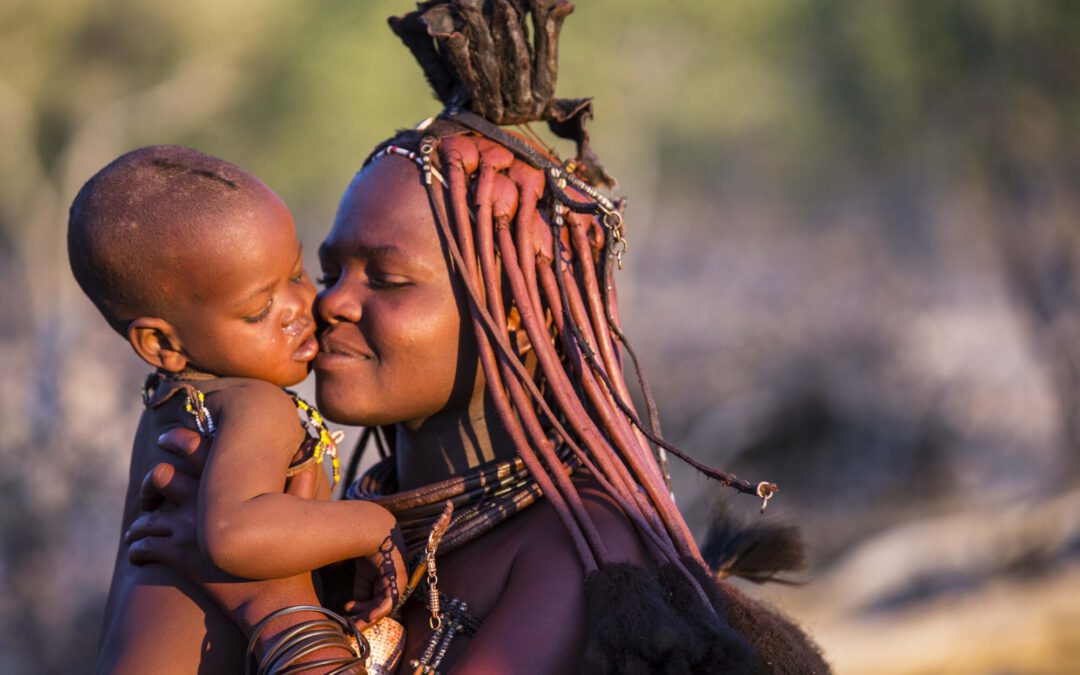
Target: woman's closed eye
[[387, 281], [375, 280]]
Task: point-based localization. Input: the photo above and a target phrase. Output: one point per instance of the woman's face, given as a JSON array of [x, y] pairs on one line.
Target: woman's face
[[393, 344]]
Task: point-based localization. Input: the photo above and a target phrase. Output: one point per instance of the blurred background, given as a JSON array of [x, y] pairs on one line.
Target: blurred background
[[854, 270]]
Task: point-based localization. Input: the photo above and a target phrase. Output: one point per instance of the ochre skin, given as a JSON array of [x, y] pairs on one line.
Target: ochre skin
[[394, 348], [244, 312]]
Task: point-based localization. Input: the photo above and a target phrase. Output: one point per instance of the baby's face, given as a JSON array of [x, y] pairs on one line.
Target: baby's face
[[248, 308]]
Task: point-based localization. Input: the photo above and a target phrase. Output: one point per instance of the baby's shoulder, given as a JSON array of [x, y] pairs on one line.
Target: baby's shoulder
[[254, 411], [211, 401], [227, 387], [241, 394]]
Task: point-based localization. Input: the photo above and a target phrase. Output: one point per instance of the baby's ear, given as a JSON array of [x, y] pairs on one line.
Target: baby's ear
[[156, 342]]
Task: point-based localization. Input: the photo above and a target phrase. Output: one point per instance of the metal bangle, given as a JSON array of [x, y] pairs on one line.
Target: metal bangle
[[349, 629], [291, 658], [296, 633]]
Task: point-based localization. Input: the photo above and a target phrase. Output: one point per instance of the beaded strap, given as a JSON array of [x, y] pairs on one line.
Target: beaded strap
[[409, 154], [325, 442], [194, 399]]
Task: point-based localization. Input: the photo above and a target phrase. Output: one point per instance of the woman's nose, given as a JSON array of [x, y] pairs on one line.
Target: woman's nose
[[337, 304]]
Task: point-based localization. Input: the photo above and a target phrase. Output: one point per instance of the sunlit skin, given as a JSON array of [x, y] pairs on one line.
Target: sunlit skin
[[244, 314], [390, 316], [247, 312], [400, 354], [394, 346]]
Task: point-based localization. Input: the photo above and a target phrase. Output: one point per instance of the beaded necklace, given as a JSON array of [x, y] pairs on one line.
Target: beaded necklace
[[318, 444], [482, 499]]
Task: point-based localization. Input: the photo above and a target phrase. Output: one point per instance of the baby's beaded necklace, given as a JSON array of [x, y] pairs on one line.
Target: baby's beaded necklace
[[324, 442]]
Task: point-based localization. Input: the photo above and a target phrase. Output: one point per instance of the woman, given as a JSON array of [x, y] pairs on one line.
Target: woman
[[469, 308]]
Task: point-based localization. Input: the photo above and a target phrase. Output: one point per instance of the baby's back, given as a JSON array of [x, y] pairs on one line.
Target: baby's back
[[155, 619]]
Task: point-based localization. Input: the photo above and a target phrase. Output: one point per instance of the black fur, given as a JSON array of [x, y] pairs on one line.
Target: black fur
[[653, 621], [755, 551], [782, 648], [643, 621]]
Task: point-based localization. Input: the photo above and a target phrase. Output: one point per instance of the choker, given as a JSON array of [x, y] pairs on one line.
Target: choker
[[482, 499]]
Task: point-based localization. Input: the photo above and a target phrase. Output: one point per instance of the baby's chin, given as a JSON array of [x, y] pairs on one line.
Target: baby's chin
[[293, 374]]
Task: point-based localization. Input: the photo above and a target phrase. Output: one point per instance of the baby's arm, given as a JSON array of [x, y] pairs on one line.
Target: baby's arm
[[247, 526]]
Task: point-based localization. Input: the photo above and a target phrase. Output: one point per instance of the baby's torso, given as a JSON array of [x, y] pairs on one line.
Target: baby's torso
[[153, 604]]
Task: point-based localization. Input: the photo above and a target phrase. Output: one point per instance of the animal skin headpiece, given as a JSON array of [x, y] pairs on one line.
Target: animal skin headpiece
[[477, 56]]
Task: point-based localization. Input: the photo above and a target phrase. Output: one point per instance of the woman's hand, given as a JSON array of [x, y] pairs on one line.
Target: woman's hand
[[379, 581], [165, 530]]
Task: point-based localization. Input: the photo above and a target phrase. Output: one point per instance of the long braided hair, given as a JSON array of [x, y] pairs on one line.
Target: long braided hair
[[535, 245]]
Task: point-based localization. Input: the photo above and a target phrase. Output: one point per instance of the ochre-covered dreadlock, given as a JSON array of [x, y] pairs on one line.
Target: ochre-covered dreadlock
[[534, 244]]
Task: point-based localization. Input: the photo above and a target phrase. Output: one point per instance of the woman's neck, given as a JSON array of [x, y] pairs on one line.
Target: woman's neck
[[450, 444]]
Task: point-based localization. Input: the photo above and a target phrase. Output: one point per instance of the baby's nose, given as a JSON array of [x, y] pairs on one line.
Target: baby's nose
[[297, 325]]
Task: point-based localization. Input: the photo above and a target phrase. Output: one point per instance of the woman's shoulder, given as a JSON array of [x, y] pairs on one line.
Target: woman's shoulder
[[619, 537]]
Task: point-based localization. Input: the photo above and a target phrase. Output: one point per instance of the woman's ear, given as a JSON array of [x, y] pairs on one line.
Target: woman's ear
[[156, 342]]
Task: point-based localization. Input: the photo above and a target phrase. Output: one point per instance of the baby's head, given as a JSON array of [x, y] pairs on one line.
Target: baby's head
[[196, 263]]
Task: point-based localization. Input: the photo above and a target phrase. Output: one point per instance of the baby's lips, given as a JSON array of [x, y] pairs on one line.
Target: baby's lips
[[307, 350]]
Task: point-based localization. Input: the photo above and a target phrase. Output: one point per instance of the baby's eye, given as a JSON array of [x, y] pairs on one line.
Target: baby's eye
[[298, 276], [262, 314]]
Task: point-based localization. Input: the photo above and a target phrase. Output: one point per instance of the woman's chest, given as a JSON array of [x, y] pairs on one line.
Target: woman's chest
[[469, 583]]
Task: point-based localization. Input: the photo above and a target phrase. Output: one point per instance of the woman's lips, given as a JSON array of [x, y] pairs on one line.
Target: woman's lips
[[335, 350]]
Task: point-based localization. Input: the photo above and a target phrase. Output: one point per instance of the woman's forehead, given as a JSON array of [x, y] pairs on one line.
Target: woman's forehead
[[385, 210]]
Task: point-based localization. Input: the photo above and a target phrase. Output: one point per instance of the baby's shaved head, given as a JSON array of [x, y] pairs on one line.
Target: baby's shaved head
[[138, 218]]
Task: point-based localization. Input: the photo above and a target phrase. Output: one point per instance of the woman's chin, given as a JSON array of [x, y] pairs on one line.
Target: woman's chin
[[337, 409], [344, 401]]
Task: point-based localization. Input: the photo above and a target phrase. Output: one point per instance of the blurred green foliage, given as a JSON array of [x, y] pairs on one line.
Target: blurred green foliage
[[785, 86]]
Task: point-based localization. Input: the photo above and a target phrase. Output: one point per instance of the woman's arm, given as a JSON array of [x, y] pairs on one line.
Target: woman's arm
[[248, 526]]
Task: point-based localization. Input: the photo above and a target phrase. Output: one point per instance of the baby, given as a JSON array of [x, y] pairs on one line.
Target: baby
[[197, 264]]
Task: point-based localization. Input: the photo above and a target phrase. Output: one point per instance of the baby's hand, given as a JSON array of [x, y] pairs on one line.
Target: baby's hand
[[380, 580]]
